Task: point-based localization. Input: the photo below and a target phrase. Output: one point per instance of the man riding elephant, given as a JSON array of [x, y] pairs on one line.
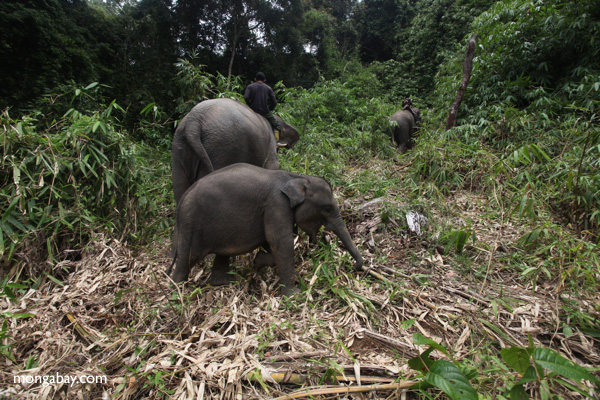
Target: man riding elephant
[[220, 132], [261, 99], [404, 124]]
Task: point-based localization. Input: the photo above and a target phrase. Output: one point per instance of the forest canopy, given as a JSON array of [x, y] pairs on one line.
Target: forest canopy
[[133, 46]]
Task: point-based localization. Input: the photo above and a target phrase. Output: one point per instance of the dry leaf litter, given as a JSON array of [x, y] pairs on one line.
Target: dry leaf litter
[[116, 315]]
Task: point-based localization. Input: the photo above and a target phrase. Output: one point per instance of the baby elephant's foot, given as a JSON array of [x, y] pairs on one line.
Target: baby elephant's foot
[[290, 291], [263, 259], [218, 278]]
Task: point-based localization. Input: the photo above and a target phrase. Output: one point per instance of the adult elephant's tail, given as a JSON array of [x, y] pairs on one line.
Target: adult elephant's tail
[[190, 160]]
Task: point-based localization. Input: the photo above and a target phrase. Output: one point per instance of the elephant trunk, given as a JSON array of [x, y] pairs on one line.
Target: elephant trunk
[[339, 228]]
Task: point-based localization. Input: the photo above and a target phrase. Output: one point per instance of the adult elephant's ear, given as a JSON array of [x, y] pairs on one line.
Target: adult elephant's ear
[[295, 189]]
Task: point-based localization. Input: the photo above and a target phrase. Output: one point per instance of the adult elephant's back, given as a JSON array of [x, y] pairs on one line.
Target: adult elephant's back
[[217, 133]]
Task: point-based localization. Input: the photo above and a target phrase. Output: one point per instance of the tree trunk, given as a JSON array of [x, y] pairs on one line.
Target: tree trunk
[[467, 69], [233, 46]]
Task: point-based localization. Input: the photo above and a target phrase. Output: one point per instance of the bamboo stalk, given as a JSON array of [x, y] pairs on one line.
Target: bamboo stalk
[[345, 390], [299, 379]]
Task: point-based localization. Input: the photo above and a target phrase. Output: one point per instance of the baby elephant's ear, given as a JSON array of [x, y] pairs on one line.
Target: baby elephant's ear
[[295, 189]]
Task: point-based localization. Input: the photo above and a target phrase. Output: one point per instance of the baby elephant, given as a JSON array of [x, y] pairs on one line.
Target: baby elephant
[[236, 209]]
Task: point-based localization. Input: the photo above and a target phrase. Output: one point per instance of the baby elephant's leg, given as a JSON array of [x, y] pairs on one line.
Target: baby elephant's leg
[[264, 258]]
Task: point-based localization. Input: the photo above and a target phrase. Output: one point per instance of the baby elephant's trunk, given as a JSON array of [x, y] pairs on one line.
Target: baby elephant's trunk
[[339, 228]]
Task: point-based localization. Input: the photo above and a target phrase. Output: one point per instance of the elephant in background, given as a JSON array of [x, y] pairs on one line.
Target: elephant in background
[[405, 122], [220, 132], [236, 209]]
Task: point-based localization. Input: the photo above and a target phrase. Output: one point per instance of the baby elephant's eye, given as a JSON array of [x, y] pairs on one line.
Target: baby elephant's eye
[[327, 209]]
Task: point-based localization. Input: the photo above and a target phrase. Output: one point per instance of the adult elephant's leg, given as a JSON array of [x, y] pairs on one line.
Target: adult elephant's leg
[[220, 271]]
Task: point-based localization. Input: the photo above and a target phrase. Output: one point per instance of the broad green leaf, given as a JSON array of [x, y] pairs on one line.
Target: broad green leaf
[[421, 340], [552, 361], [408, 323], [16, 285], [518, 393], [422, 362], [53, 279], [517, 358], [9, 293], [529, 376], [447, 377], [8, 211]]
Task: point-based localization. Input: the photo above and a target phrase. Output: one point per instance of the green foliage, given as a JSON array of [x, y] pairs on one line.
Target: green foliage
[[45, 44], [533, 56], [534, 96], [338, 127], [435, 27], [198, 85], [9, 292], [546, 368], [541, 368], [65, 178], [459, 238]]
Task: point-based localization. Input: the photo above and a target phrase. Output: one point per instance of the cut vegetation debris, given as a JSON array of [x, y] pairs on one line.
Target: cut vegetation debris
[[347, 335]]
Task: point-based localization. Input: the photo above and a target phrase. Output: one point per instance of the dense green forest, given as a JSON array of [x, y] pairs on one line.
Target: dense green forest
[[92, 92], [133, 47]]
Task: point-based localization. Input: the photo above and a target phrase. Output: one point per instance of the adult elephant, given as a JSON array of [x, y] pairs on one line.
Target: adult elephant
[[220, 132], [241, 207], [405, 122]]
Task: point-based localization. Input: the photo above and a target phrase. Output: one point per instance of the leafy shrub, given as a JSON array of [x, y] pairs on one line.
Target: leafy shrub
[[62, 179], [535, 86], [338, 127]]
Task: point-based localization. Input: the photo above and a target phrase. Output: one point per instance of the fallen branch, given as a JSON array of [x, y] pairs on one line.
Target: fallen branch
[[295, 356], [399, 169], [379, 276], [391, 342], [299, 379], [468, 296], [308, 392]]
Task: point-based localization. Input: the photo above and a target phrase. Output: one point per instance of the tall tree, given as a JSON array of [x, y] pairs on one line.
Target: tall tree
[[245, 30], [46, 43], [436, 27], [151, 53], [383, 24]]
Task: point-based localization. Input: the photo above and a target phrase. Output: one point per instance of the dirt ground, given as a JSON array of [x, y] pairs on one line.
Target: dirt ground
[[113, 314]]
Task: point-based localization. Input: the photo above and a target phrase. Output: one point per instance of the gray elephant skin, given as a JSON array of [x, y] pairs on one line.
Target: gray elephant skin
[[220, 132], [404, 127], [238, 208]]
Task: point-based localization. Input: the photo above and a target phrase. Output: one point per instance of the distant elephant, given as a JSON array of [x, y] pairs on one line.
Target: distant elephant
[[221, 132], [236, 209], [402, 132]]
